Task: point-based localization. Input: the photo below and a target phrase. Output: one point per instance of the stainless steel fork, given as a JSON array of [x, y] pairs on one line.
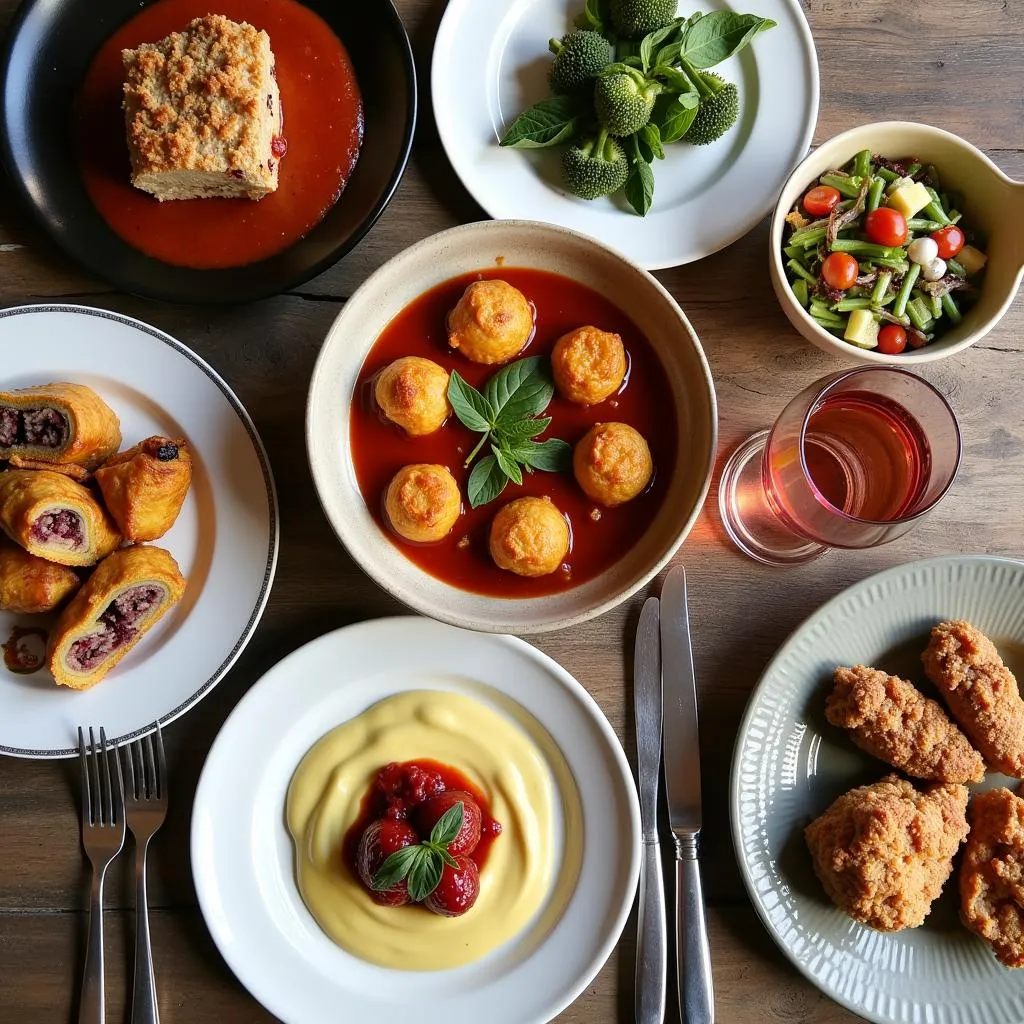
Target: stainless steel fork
[[145, 804], [102, 837]]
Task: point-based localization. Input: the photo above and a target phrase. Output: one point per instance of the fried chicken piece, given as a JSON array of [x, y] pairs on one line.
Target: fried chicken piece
[[884, 851], [992, 874], [891, 720], [980, 691]]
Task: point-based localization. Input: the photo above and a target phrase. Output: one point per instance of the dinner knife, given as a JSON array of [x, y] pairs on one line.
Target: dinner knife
[[682, 789], [652, 928]]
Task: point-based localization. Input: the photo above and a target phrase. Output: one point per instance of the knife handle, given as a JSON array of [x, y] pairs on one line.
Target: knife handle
[[651, 939], [693, 956]]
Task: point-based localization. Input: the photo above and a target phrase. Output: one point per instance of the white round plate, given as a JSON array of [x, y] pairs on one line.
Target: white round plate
[[225, 539], [490, 63], [790, 764], [243, 857]]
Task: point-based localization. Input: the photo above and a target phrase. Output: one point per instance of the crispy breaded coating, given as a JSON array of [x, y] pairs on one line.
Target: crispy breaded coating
[[980, 691], [884, 851], [992, 874], [892, 720]]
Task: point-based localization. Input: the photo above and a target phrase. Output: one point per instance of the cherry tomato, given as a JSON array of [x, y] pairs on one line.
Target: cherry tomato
[[950, 241], [892, 339], [840, 270], [915, 339], [821, 200], [886, 226]]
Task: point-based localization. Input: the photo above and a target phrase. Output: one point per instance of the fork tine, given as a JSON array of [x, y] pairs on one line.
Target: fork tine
[[129, 771], [117, 807], [108, 810], [147, 747], [161, 763], [96, 797], [84, 764]]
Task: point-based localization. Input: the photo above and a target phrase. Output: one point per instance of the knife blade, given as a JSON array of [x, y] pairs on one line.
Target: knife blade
[[681, 748], [652, 926]]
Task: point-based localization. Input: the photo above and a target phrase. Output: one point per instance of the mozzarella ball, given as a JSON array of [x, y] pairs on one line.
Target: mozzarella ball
[[413, 392], [612, 463], [589, 365], [423, 502], [935, 271], [491, 323], [923, 251], [529, 537]]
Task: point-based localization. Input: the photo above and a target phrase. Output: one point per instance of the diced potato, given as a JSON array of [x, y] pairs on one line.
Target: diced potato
[[862, 329], [971, 259], [909, 199]]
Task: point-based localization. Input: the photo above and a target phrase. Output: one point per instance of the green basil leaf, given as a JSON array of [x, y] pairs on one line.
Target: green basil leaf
[[551, 456], [620, 67], [652, 139], [547, 123], [523, 429], [448, 825], [472, 408], [677, 120], [396, 867], [639, 187], [449, 860], [720, 35], [425, 875], [595, 15], [523, 388], [508, 464], [676, 80], [486, 482]]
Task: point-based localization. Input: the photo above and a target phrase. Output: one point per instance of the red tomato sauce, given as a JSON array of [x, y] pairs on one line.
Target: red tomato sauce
[[600, 536], [323, 127]]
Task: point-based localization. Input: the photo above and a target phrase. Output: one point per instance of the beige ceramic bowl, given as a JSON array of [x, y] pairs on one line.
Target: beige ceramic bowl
[[992, 203], [514, 244]]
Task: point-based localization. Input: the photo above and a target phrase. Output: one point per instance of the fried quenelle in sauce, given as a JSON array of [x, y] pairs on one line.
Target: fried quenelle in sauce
[[612, 463], [413, 393], [423, 502], [600, 348], [491, 323]]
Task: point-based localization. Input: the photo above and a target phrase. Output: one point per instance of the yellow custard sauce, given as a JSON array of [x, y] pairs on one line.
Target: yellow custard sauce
[[531, 868]]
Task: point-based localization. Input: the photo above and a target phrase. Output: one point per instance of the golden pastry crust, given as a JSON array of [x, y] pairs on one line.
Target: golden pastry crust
[[612, 463], [413, 392], [130, 591], [529, 536], [145, 486], [423, 502], [992, 874], [589, 365], [491, 323], [58, 423], [31, 585], [76, 472], [52, 516], [884, 851], [892, 720], [980, 691], [203, 113]]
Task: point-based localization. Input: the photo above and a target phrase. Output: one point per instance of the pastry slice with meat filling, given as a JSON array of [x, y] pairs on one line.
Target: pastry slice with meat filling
[[30, 585], [58, 423], [130, 591], [52, 516]]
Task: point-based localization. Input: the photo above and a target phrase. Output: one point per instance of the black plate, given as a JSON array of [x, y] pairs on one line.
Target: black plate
[[48, 50]]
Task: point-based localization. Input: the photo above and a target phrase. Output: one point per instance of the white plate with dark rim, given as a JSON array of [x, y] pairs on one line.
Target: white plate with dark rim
[[490, 63], [790, 764], [225, 539], [243, 857]]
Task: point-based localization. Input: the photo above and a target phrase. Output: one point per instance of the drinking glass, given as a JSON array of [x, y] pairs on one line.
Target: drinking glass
[[854, 460]]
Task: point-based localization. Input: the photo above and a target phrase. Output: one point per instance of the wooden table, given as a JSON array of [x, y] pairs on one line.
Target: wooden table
[[954, 64]]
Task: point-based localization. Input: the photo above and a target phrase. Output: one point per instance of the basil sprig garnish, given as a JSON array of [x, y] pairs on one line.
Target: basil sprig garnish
[[423, 864]]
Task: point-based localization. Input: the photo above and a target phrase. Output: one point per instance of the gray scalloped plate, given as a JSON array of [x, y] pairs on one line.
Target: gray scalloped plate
[[789, 764]]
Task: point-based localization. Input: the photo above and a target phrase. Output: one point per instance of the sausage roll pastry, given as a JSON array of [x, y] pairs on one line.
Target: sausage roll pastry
[[126, 596], [71, 469], [53, 517], [58, 423], [145, 486], [31, 585]]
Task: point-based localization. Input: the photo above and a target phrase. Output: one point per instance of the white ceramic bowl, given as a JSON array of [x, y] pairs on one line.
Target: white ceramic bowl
[[458, 251], [993, 203]]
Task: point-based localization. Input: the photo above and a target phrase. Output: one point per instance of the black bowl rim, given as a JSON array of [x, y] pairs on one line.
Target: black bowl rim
[[26, 201]]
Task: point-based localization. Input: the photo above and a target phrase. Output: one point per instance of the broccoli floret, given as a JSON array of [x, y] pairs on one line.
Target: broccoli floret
[[719, 108], [579, 56], [635, 18], [595, 167], [624, 101]]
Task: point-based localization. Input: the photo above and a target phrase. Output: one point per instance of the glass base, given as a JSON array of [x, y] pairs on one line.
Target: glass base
[[749, 520]]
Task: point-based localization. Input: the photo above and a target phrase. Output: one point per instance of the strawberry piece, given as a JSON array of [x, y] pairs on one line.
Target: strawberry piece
[[429, 813], [457, 891], [377, 843]]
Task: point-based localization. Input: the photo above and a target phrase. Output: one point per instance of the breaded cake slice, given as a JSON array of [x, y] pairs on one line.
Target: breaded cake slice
[[203, 112]]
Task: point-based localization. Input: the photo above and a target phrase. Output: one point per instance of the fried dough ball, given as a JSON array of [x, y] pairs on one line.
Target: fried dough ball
[[491, 323], [423, 502], [413, 392], [589, 365], [612, 463], [529, 537]]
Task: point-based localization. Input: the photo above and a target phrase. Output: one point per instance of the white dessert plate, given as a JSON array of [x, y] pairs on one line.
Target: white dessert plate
[[790, 764], [490, 62], [243, 857], [225, 539]]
